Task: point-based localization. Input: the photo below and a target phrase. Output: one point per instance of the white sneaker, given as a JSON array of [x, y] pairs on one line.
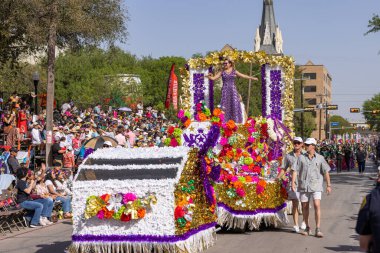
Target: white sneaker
[[47, 222], [296, 229], [303, 225], [42, 222]]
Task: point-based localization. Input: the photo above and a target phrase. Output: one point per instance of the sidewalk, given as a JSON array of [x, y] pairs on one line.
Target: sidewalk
[[53, 238]]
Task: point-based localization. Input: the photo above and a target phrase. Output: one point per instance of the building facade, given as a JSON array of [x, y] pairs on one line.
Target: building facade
[[317, 92]]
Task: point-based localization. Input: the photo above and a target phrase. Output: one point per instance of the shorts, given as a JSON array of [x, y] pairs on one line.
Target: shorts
[[306, 196], [293, 195]]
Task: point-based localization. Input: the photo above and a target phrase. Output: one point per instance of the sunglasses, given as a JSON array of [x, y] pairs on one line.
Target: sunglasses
[[297, 143], [225, 63]]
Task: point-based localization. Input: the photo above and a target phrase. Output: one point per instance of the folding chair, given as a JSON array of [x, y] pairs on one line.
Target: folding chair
[[11, 213]]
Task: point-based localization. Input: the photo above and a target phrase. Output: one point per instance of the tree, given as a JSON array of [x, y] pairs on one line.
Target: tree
[[343, 123], [374, 24], [67, 24], [373, 119]]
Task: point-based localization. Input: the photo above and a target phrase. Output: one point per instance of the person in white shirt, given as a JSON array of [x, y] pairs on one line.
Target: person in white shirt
[[36, 134], [65, 107]]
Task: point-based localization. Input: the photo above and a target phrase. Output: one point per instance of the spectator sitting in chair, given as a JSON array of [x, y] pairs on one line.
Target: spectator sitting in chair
[[42, 206], [59, 196], [12, 161]]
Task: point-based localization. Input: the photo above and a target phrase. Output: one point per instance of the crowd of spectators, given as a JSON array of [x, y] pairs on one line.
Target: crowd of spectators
[[39, 189]]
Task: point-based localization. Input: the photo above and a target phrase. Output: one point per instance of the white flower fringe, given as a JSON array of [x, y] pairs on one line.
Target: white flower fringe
[[194, 244], [233, 221], [289, 207]]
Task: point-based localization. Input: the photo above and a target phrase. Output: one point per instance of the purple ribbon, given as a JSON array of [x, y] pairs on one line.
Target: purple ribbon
[[212, 138], [251, 212], [277, 145], [142, 238]]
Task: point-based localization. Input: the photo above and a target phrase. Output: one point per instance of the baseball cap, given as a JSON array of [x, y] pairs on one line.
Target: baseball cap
[[311, 141], [108, 143], [299, 139]]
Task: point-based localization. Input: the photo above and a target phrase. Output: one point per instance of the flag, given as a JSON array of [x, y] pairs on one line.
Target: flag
[[172, 93]]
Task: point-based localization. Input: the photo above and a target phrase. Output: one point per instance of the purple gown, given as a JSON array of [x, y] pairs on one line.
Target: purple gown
[[230, 102]]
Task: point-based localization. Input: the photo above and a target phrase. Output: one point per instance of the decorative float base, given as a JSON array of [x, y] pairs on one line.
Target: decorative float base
[[254, 209], [233, 219], [195, 240]]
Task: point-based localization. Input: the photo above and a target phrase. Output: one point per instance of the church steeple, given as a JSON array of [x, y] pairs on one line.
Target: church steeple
[[268, 35]]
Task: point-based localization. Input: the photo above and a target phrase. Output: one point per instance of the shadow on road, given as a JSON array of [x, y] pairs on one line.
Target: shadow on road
[[344, 248], [55, 247]]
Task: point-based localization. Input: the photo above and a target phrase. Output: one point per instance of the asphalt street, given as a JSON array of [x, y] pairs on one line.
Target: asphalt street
[[339, 212]]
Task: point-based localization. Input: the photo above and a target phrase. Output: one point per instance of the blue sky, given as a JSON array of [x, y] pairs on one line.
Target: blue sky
[[328, 32]]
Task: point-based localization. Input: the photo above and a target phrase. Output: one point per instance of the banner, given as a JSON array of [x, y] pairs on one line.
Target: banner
[[172, 94]]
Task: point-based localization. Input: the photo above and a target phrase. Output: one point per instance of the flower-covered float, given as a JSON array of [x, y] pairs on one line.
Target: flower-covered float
[[142, 200], [247, 157]]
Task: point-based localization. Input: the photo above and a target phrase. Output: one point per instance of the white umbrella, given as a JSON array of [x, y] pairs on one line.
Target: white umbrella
[[125, 109]]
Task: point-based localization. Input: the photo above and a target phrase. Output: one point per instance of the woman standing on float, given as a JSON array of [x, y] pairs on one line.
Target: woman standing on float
[[230, 102]]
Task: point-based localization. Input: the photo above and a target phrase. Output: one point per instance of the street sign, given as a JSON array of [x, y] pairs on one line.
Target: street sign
[[332, 107], [309, 108], [334, 124], [354, 110]]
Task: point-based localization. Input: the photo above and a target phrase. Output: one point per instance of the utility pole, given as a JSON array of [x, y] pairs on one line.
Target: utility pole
[[52, 41], [320, 113], [326, 123]]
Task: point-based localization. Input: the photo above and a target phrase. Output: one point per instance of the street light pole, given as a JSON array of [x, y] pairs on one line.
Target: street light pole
[[320, 113], [36, 79]]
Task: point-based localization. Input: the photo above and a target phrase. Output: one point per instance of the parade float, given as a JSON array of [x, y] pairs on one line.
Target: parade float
[[142, 200], [247, 156], [212, 172]]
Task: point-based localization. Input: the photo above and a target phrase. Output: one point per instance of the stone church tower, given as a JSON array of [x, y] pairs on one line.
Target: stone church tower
[[268, 35]]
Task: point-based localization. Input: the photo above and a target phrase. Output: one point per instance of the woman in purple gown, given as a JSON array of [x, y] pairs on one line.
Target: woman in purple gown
[[230, 102]]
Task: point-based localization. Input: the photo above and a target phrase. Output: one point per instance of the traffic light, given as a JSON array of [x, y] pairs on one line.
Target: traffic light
[[354, 110], [375, 111], [309, 108], [332, 107]]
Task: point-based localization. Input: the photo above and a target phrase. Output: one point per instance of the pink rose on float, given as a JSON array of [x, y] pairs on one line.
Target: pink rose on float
[[129, 197], [181, 113], [223, 141], [173, 143], [100, 215], [251, 129], [255, 180], [259, 189], [251, 139], [199, 106], [221, 117], [245, 168], [234, 179], [240, 192]]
